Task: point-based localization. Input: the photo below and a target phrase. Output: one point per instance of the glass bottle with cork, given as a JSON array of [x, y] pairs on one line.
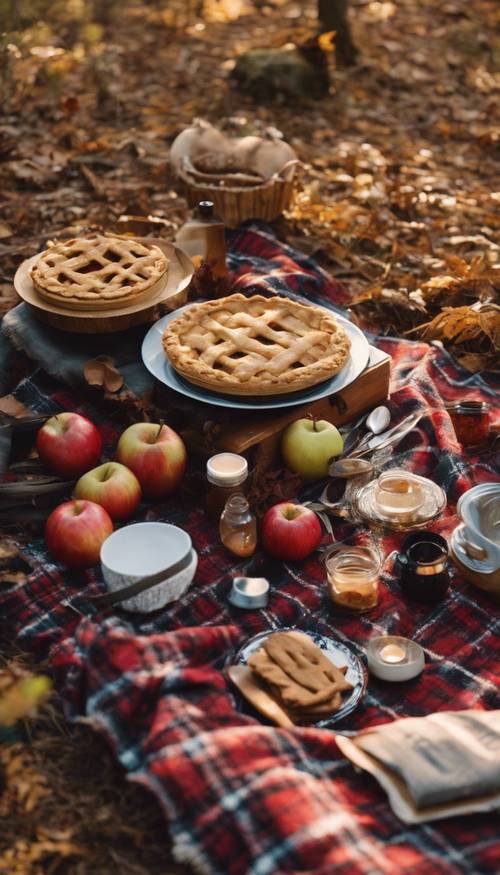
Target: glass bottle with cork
[[202, 238]]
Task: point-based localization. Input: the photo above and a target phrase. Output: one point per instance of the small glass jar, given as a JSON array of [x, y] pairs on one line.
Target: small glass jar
[[227, 474], [471, 421], [353, 575], [238, 527]]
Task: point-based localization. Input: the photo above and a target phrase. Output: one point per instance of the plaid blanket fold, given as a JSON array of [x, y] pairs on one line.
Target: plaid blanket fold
[[239, 796]]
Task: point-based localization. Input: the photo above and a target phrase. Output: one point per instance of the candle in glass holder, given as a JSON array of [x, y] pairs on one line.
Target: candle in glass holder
[[393, 658], [353, 574], [392, 654]]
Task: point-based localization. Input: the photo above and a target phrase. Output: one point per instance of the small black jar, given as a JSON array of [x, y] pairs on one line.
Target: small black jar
[[422, 567]]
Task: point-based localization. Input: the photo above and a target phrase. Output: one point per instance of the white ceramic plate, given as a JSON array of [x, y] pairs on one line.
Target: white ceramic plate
[[157, 364], [338, 653]]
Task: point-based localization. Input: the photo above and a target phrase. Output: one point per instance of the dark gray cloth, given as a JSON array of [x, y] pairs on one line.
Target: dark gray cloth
[[63, 355]]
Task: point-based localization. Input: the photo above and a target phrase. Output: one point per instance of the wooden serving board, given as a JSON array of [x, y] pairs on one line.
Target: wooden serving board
[[170, 292], [260, 433]]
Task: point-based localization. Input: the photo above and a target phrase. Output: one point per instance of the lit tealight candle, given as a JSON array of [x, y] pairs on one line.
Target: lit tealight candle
[[393, 658], [392, 653]]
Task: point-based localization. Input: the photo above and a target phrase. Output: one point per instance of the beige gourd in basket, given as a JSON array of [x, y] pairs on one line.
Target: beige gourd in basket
[[247, 178]]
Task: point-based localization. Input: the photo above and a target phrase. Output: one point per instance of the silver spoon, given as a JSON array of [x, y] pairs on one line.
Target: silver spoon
[[389, 438], [347, 468], [376, 422]]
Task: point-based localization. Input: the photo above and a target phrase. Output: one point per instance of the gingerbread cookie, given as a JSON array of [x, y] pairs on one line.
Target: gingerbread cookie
[[299, 676]]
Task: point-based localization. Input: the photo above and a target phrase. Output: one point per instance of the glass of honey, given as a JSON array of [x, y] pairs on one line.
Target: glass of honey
[[398, 495], [353, 575]]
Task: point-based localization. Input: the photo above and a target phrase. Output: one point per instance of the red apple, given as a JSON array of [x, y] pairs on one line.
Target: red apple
[[75, 531], [290, 531], [68, 444], [157, 456], [112, 486]]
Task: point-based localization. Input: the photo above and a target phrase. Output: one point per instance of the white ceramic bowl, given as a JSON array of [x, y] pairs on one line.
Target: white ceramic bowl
[[479, 538], [141, 549]]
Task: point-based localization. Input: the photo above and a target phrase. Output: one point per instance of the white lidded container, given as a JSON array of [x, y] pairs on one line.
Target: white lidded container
[[142, 549]]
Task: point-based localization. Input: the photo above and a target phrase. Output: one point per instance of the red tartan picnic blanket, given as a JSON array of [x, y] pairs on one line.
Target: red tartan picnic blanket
[[239, 796]]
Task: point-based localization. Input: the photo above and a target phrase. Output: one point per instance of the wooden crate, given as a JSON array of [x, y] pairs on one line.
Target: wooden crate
[[259, 433]]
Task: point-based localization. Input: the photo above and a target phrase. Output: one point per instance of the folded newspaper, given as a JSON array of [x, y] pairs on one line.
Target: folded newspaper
[[435, 766]]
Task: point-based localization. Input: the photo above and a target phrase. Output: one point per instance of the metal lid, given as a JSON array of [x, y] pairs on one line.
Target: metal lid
[[227, 469], [249, 592], [471, 408], [206, 208]]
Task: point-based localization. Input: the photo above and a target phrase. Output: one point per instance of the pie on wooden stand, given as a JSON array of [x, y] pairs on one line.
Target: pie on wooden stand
[[256, 346], [100, 283], [97, 272]]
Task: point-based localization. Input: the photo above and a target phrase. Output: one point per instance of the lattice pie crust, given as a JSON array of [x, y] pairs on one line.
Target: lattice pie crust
[[97, 271], [256, 346]]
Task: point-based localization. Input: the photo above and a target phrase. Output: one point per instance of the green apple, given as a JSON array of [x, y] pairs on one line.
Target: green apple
[[308, 446]]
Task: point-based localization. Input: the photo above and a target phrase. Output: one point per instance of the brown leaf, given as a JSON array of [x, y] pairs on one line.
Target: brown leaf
[[473, 335], [8, 550], [10, 405], [70, 105], [271, 487], [102, 371], [5, 230], [472, 361]]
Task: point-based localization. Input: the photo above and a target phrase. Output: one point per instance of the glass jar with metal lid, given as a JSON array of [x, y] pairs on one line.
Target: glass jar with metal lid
[[471, 421]]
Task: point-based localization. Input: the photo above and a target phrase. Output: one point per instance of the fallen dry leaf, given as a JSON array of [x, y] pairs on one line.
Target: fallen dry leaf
[[473, 335], [102, 371], [5, 230], [10, 405]]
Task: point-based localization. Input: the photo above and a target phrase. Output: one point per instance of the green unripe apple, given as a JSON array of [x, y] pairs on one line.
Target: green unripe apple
[[308, 446]]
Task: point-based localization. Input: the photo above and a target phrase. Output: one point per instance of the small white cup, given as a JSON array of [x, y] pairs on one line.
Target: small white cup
[[136, 551]]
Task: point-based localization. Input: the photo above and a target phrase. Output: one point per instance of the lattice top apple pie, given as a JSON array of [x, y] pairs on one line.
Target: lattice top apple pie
[[97, 271], [256, 346]]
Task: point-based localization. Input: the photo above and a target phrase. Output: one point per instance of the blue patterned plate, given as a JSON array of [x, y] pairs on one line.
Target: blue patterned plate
[[338, 653]]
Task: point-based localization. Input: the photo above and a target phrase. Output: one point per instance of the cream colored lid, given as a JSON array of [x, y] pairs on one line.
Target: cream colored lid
[[227, 469]]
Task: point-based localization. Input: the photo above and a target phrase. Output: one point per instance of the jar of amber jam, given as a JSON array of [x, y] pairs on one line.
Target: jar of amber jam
[[471, 421], [227, 474], [353, 577]]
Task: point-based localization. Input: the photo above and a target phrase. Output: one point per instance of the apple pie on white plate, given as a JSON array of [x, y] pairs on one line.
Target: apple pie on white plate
[[98, 272], [256, 346]]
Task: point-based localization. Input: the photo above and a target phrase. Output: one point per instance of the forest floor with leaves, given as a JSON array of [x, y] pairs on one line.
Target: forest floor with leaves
[[399, 197]]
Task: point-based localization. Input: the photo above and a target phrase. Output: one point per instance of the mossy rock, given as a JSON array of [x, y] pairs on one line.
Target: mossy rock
[[280, 74]]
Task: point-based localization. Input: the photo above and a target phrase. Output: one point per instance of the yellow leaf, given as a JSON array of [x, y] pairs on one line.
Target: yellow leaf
[[22, 697]]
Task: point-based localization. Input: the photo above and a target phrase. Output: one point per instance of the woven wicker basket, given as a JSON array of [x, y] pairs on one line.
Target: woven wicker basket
[[246, 178], [236, 205]]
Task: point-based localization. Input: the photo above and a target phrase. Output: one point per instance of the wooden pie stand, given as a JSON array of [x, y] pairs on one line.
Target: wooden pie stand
[[170, 292]]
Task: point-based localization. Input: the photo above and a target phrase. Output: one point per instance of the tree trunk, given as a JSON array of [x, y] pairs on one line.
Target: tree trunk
[[332, 15]]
